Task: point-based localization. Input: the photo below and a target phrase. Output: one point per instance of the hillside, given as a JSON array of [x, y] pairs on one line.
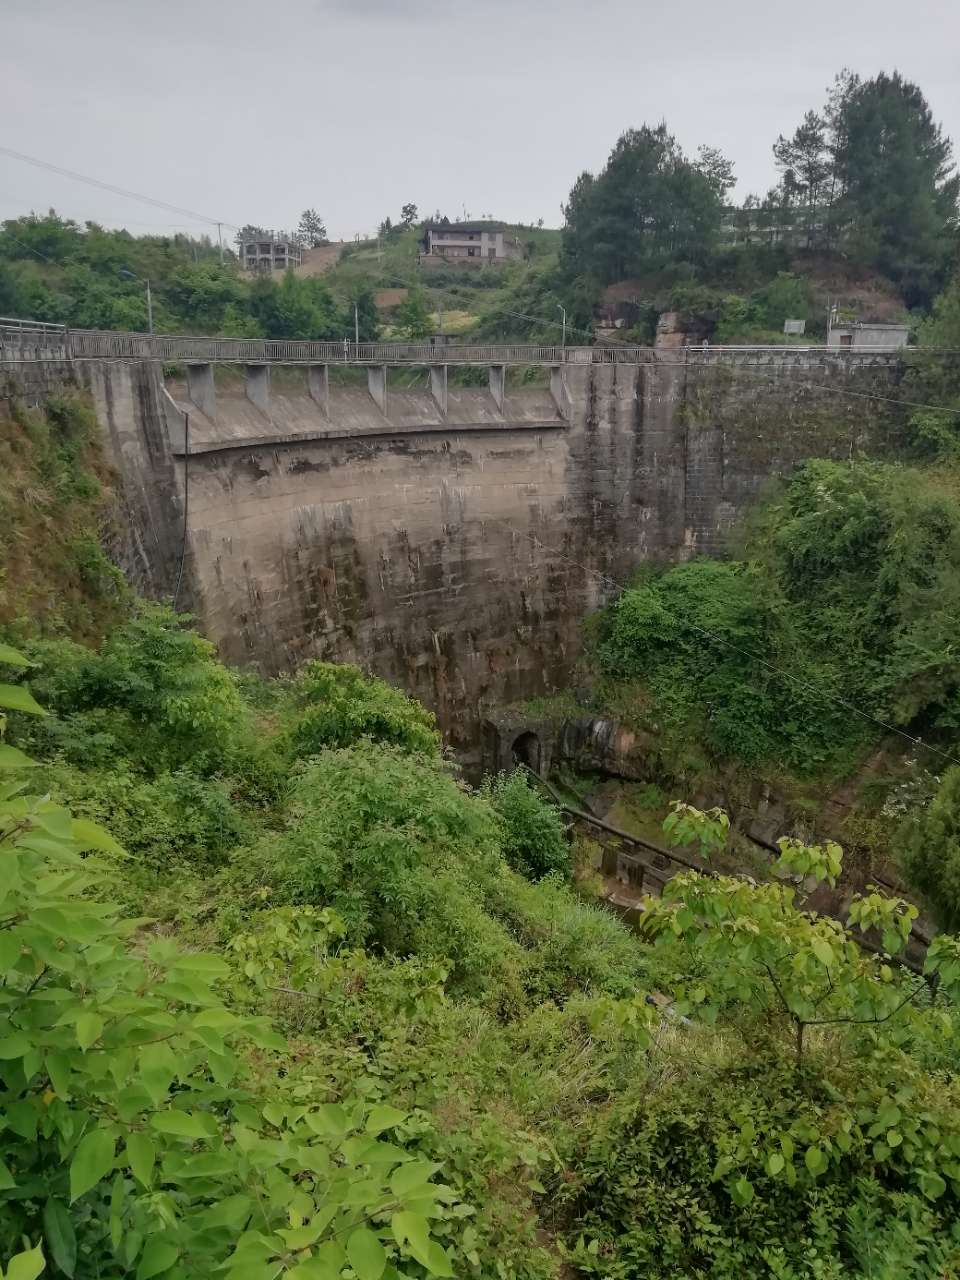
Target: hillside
[[285, 997]]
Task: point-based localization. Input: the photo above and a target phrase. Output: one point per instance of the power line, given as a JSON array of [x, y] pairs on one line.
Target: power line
[[118, 191], [779, 671]]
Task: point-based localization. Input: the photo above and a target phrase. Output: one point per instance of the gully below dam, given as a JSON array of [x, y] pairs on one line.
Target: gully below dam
[[446, 518]]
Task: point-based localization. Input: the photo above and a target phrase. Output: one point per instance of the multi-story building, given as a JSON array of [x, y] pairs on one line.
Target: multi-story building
[[462, 241], [270, 251]]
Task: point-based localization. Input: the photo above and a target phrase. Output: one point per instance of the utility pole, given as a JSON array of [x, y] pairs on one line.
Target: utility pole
[[563, 332], [220, 240], [356, 325], [141, 280]]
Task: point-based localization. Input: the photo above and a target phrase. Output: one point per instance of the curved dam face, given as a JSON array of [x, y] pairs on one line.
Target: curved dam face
[[451, 539]]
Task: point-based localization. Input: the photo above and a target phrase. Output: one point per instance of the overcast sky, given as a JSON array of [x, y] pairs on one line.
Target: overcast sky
[[252, 111]]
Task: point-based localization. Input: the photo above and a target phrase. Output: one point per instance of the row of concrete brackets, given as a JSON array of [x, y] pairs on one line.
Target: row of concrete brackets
[[202, 391]]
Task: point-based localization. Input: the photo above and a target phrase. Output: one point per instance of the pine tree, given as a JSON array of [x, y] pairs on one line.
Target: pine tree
[[898, 188], [312, 232]]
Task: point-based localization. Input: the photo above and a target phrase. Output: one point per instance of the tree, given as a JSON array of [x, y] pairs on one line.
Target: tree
[[408, 215], [716, 168], [758, 947], [899, 188], [414, 318], [650, 205], [249, 232], [312, 232], [367, 316], [804, 161], [873, 174]]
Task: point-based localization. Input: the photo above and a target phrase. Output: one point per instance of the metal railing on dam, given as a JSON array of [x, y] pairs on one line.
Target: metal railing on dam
[[59, 342]]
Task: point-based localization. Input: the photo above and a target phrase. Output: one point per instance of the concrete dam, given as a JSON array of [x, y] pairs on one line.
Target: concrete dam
[[445, 517]]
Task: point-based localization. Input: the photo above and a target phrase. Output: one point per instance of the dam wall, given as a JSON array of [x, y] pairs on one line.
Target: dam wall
[[451, 533]]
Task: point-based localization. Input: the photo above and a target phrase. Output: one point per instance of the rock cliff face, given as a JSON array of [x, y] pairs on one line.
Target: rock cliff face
[[456, 553]]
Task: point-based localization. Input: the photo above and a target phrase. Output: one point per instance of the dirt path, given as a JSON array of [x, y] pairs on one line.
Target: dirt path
[[317, 261]]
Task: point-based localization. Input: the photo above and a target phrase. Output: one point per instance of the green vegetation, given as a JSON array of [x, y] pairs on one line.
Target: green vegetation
[[330, 1027], [284, 997], [650, 206], [52, 269], [55, 505], [839, 597]]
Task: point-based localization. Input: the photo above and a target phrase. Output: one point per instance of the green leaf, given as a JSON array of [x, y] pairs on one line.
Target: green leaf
[[141, 1154], [931, 1184], [384, 1117], [14, 758], [13, 657], [14, 697], [15, 1046], [775, 1163], [183, 1124], [823, 951], [92, 1161], [410, 1228], [89, 1027], [157, 1256], [411, 1175], [815, 1160], [90, 835], [742, 1191], [366, 1254], [10, 949], [60, 1236], [26, 1266], [435, 1260], [210, 966], [7, 1180], [331, 1119]]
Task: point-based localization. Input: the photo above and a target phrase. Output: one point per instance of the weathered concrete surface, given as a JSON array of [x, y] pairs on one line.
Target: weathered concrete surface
[[454, 554]]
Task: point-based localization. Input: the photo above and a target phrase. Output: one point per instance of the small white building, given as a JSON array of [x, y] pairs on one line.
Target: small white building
[[888, 337]]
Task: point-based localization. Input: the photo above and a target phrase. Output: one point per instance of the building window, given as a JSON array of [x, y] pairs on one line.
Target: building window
[[846, 339]]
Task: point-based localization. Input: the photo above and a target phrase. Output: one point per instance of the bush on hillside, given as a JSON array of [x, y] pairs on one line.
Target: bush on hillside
[[840, 596], [534, 841], [336, 705], [154, 691]]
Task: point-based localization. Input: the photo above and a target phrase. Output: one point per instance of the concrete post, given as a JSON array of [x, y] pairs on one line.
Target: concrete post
[[377, 385], [438, 387], [498, 384], [558, 389], [256, 382], [200, 388], [318, 384]]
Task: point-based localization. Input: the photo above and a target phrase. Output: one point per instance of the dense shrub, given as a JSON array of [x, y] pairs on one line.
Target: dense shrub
[[840, 596], [533, 841], [337, 704], [154, 692]]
